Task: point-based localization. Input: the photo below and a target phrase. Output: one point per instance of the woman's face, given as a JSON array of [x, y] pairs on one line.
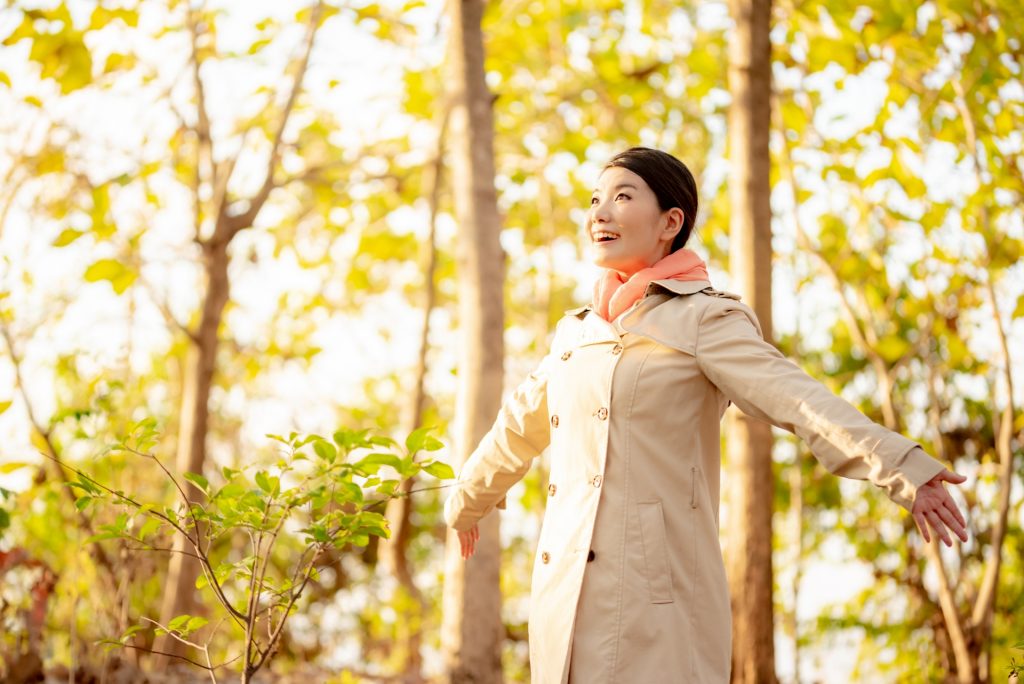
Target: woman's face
[[627, 230]]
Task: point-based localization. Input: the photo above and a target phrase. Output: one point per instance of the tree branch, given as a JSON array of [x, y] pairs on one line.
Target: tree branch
[[229, 225]]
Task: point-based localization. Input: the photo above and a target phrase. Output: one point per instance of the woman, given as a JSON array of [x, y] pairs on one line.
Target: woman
[[628, 582]]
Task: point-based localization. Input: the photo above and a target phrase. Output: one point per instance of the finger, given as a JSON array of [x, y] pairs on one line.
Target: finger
[[952, 523], [951, 505], [922, 527], [939, 528], [950, 476]]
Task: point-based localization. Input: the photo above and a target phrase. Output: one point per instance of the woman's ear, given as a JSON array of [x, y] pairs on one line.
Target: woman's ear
[[674, 219]]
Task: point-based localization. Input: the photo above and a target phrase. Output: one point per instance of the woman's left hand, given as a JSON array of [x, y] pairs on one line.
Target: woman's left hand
[[933, 505]]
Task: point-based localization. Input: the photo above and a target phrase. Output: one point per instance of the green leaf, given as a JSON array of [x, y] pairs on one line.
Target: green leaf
[[179, 622], [441, 471], [279, 438], [85, 486], [195, 623], [372, 462], [149, 527], [325, 450], [134, 629], [381, 440], [229, 491], [416, 439], [198, 480]]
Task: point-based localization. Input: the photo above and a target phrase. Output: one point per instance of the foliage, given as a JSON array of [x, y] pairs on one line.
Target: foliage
[[322, 492]]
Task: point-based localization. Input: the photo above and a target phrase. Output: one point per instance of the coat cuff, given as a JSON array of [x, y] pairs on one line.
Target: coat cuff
[[458, 516], [915, 469]]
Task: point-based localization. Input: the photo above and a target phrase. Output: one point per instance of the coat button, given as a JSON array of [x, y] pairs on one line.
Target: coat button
[[544, 557], [591, 556], [566, 355], [554, 421], [596, 480], [551, 489], [617, 349], [602, 413]]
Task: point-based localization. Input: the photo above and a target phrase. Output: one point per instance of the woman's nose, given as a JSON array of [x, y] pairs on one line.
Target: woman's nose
[[599, 212]]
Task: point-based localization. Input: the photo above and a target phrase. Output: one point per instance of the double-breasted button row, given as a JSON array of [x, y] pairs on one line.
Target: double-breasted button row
[[554, 421], [602, 413], [596, 480], [617, 349], [545, 557], [566, 355], [552, 489]]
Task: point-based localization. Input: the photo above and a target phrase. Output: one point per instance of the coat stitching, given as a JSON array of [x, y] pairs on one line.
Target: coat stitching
[[625, 518]]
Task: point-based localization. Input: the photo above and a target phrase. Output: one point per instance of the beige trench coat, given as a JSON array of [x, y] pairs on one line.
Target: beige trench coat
[[628, 583]]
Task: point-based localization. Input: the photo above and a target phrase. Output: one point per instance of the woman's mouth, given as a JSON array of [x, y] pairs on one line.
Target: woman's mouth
[[602, 236]]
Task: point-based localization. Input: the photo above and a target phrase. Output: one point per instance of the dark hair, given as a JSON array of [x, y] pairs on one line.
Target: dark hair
[[671, 181]]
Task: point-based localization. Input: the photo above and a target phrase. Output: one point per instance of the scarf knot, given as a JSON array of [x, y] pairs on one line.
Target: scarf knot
[[613, 295]]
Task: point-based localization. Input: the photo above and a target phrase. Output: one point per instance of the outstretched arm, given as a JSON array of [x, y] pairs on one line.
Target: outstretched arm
[[763, 383], [519, 434]]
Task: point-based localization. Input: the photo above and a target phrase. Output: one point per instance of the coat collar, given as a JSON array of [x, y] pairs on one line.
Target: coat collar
[[676, 287]]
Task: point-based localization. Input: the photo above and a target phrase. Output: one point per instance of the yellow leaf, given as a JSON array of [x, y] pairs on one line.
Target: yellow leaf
[[68, 236]]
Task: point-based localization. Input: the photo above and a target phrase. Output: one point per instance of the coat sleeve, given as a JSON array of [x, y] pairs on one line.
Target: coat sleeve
[[519, 434], [764, 384]]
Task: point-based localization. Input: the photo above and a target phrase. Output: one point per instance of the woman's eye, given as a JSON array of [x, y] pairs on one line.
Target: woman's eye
[[622, 194], [593, 200]]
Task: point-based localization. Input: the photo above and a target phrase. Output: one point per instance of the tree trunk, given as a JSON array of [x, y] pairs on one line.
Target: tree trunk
[[472, 631], [394, 551], [750, 441], [179, 590], [231, 218]]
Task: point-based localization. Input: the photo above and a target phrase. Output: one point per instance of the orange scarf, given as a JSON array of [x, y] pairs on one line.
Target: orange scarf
[[613, 295]]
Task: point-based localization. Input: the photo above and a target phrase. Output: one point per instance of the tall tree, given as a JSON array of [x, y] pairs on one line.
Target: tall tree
[[472, 629], [750, 259], [911, 324], [228, 217]]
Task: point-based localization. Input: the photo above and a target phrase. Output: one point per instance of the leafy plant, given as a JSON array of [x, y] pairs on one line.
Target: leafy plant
[[320, 494], [1015, 669]]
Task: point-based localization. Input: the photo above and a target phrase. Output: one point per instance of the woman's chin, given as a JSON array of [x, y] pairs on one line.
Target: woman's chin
[[602, 259], [607, 261]]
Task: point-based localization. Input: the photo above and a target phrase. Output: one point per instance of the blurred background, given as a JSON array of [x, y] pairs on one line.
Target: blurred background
[[240, 218]]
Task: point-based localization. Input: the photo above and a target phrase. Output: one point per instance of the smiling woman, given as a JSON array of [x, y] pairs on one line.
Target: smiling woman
[[628, 582]]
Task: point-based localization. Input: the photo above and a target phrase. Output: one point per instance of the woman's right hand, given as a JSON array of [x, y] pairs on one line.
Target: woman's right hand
[[467, 541]]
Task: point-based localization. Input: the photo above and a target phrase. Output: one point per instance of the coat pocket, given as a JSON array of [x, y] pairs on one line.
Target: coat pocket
[[655, 546]]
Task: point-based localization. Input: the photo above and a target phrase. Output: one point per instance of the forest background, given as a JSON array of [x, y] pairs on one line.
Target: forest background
[[226, 219]]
